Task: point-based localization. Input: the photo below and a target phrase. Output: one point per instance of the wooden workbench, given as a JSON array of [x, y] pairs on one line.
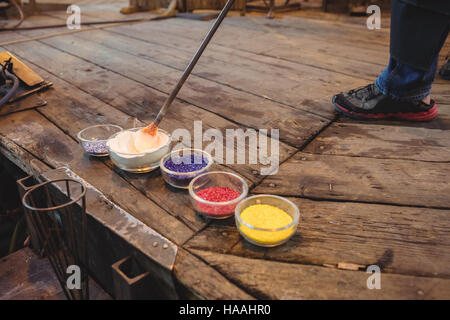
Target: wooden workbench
[[369, 193]]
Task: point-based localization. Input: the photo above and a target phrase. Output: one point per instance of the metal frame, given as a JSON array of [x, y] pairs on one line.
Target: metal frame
[[57, 231]]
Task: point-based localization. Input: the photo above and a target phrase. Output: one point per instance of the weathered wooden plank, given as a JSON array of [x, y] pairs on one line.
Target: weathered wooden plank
[[331, 53], [203, 281], [239, 69], [361, 179], [91, 12], [21, 157], [219, 236], [37, 135], [8, 36], [315, 43], [345, 37], [132, 98], [402, 240], [30, 22], [321, 37], [296, 126], [440, 92], [73, 110], [327, 27], [338, 20], [24, 276], [442, 99], [29, 102], [37, 22], [275, 280], [285, 52], [380, 141]]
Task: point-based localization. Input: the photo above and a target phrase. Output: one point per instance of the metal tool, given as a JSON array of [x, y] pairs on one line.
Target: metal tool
[[5, 75], [152, 127], [17, 80]]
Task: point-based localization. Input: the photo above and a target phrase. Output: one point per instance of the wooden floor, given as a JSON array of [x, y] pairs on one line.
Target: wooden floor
[[26, 276], [369, 193]]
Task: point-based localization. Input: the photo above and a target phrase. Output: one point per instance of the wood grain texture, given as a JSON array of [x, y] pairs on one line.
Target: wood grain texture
[[327, 45], [26, 276], [203, 281], [275, 280], [23, 159], [402, 240], [23, 276], [394, 181], [131, 99], [296, 127], [238, 69], [335, 51], [382, 141], [73, 110]]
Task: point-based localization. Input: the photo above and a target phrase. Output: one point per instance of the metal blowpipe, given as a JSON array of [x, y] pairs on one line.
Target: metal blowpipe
[[153, 127]]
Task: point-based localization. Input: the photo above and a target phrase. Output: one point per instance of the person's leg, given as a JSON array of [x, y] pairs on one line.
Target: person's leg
[[403, 89], [401, 81]]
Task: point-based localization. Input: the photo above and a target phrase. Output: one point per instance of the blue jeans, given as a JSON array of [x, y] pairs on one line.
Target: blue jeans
[[417, 36], [404, 82]]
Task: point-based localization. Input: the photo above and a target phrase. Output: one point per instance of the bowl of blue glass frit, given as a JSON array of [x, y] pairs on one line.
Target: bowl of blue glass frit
[[93, 139], [179, 167]]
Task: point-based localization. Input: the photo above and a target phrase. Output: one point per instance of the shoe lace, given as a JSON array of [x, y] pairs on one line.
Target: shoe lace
[[366, 92]]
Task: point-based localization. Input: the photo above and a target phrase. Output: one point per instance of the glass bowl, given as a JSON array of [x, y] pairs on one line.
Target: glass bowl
[[267, 237], [139, 162], [182, 179], [211, 209], [93, 139]]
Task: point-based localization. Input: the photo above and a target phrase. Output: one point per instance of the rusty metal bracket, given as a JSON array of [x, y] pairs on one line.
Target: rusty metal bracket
[[24, 185], [131, 281], [158, 248]]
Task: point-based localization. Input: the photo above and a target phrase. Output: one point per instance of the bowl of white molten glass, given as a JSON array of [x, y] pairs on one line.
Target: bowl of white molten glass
[[133, 150]]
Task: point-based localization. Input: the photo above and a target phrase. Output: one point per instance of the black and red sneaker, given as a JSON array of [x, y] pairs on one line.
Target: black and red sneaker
[[369, 103]]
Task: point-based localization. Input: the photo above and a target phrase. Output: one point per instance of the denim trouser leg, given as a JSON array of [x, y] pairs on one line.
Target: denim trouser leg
[[404, 82], [417, 36]]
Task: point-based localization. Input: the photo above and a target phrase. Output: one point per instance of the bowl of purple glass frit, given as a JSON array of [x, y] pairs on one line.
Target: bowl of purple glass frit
[[93, 139], [179, 167]]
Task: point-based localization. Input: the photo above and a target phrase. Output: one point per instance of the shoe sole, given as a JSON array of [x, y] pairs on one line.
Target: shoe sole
[[409, 116]]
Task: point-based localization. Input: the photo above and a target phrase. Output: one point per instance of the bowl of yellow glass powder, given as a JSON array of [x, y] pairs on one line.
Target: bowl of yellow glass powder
[[267, 220]]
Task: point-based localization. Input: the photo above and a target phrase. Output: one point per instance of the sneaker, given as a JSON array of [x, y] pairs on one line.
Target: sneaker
[[369, 103], [444, 72]]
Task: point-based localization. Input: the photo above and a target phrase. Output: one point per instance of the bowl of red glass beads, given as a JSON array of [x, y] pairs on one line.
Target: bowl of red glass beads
[[179, 167], [216, 194]]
